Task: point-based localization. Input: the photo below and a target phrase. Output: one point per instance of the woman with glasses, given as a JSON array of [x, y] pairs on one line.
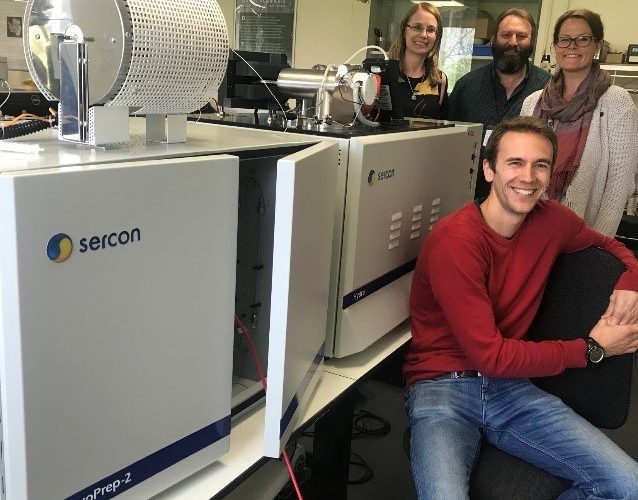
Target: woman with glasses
[[596, 124], [422, 86]]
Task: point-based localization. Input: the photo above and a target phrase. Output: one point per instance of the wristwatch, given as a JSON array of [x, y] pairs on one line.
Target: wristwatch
[[595, 352]]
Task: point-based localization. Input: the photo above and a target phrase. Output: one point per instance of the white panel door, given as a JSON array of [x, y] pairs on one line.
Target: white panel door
[[304, 217]]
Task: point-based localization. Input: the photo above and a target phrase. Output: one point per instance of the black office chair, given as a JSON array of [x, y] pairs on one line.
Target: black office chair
[[576, 296]]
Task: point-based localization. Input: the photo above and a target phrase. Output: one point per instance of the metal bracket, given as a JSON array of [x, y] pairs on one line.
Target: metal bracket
[[74, 91]]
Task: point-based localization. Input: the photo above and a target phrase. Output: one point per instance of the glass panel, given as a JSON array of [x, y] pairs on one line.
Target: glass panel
[[265, 26], [459, 26]]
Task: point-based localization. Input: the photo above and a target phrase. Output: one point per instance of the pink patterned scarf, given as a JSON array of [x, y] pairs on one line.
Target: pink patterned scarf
[[571, 121]]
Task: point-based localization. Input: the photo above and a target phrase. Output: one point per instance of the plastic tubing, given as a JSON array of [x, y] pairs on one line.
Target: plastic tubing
[[22, 129], [385, 54]]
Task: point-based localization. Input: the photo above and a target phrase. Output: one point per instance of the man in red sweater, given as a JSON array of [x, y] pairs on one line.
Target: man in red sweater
[[477, 286]]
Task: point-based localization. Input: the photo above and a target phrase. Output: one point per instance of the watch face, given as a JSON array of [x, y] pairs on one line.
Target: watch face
[[596, 354]]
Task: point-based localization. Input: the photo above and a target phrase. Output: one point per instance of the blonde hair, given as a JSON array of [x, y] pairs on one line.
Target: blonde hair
[[431, 62]]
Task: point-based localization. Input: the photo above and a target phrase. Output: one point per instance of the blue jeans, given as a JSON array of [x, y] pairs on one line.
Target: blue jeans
[[449, 418]]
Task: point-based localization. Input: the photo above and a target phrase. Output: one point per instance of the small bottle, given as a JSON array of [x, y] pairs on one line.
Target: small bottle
[[545, 63]]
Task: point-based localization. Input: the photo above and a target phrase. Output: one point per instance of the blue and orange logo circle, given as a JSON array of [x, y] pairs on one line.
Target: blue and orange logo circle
[[59, 247], [371, 177]]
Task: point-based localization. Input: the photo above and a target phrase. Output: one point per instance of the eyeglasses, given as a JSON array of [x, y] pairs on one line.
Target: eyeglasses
[[580, 41], [419, 28]]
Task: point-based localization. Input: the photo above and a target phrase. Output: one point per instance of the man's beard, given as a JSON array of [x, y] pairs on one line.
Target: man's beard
[[510, 62]]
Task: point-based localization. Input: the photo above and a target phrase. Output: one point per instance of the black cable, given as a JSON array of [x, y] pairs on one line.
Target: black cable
[[357, 461], [366, 424], [25, 128], [216, 110]]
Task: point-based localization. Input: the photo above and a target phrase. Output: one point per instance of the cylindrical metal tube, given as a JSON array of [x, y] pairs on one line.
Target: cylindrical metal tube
[[138, 55], [305, 82]]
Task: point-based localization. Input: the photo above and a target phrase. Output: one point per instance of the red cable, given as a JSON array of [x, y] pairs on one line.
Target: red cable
[[291, 472], [262, 376], [253, 351]]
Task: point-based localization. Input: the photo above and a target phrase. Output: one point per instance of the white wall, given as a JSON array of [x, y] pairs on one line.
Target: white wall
[[550, 11], [326, 31], [329, 31], [228, 9], [619, 18]]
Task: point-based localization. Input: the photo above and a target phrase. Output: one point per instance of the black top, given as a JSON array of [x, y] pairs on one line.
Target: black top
[[357, 130], [427, 98], [479, 97]]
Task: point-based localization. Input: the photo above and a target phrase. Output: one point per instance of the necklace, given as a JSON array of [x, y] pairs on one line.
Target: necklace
[[413, 90]]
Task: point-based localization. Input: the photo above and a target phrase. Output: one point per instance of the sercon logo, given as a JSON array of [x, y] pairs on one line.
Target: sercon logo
[[94, 243], [373, 176], [59, 247]]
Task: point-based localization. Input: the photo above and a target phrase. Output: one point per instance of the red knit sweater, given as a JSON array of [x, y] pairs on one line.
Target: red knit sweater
[[475, 293]]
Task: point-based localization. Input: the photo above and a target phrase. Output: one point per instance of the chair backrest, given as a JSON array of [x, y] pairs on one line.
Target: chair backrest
[[577, 294]]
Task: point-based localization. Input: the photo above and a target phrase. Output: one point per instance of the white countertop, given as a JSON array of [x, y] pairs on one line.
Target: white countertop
[[202, 139]]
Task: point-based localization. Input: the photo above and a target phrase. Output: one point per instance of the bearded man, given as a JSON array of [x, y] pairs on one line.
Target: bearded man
[[496, 92]]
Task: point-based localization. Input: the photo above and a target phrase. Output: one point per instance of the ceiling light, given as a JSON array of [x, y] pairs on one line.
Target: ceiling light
[[442, 3]]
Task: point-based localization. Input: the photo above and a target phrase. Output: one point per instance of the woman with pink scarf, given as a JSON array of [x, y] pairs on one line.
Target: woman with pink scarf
[[596, 124]]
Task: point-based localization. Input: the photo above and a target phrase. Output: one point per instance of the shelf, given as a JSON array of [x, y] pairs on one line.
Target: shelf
[[631, 68]]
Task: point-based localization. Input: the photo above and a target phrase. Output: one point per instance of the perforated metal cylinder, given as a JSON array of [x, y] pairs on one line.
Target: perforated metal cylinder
[[158, 56], [179, 55]]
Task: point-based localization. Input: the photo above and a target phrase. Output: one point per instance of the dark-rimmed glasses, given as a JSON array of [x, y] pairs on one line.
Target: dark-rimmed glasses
[[580, 41], [419, 28]]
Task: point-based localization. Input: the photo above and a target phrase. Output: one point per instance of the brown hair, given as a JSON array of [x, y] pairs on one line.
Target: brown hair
[[523, 14], [591, 18], [431, 63], [525, 124]]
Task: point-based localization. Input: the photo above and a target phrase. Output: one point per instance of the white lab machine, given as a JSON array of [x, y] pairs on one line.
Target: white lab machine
[[393, 184], [117, 300], [396, 178], [120, 272], [392, 189], [122, 267]]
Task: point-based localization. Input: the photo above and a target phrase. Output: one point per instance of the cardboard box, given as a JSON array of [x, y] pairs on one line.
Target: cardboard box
[[483, 24], [482, 27], [614, 58]]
